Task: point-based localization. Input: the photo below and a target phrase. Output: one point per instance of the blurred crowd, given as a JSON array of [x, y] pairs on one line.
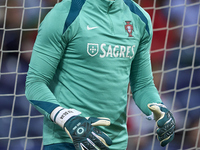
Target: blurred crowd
[[175, 56]]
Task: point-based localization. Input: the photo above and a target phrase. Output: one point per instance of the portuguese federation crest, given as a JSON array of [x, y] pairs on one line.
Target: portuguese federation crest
[[129, 28]]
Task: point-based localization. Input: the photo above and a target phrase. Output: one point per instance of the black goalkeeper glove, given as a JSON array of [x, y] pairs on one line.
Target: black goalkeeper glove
[[85, 136], [165, 123], [81, 130]]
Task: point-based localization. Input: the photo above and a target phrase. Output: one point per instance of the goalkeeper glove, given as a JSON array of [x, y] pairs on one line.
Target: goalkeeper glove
[[81, 130], [165, 123]]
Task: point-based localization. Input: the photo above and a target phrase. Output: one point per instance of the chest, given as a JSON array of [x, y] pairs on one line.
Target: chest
[[104, 36]]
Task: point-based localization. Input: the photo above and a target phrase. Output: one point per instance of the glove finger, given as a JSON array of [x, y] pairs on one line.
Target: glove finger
[[166, 118], [100, 121], [102, 137], [94, 140], [166, 140], [155, 108], [166, 129], [88, 145], [78, 146], [165, 135]]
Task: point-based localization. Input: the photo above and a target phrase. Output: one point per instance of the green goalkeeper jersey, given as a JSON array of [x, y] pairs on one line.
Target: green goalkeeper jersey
[[85, 55]]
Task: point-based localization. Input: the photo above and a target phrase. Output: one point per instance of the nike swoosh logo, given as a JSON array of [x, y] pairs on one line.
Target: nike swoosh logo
[[91, 28]]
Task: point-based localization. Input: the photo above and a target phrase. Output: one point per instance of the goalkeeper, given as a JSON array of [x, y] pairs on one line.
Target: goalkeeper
[[85, 54]]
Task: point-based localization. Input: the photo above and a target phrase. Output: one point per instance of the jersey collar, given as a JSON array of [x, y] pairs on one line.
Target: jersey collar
[[108, 6]]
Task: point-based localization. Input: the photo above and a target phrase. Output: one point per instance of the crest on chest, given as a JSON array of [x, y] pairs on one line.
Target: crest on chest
[[129, 28]]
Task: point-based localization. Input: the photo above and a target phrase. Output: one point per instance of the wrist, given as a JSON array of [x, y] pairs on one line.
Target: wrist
[[61, 115]]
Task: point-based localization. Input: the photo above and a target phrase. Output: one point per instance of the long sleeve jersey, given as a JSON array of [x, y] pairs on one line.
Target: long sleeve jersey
[[85, 55]]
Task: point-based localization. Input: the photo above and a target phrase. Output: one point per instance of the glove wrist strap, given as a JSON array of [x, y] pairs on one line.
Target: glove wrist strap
[[60, 115]]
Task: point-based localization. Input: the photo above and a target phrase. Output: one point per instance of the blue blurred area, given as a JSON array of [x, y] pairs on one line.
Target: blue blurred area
[[21, 124]]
